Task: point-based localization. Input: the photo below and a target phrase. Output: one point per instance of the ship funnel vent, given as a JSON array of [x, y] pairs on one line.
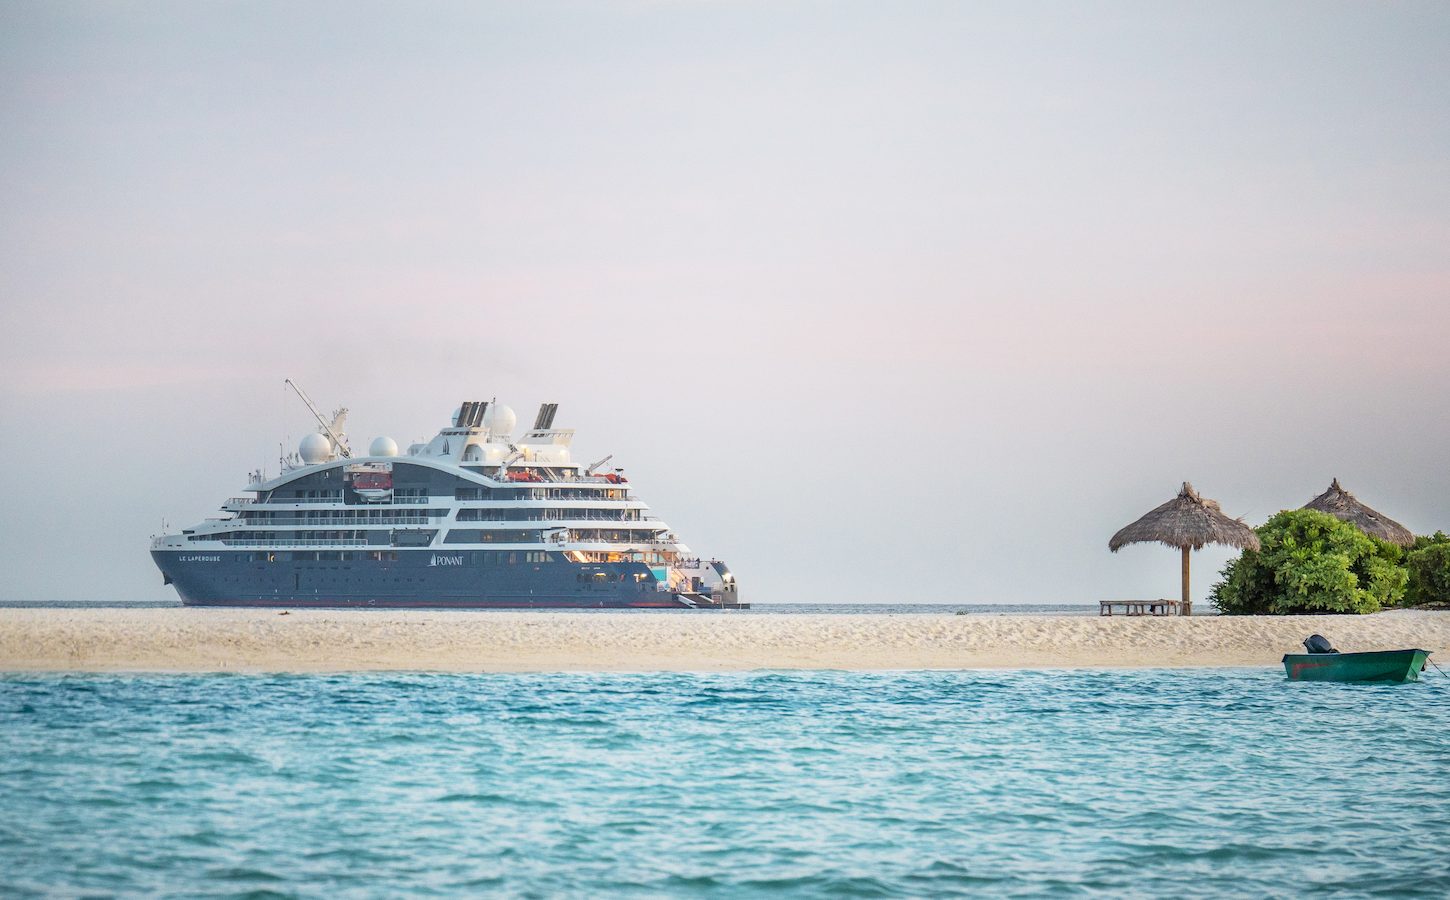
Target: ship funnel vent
[[470, 414], [545, 419]]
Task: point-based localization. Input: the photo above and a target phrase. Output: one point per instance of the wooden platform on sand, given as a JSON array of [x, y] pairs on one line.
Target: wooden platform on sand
[[1140, 607]]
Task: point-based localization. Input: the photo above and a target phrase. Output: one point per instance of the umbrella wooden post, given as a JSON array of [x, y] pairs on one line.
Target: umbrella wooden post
[[1187, 601]]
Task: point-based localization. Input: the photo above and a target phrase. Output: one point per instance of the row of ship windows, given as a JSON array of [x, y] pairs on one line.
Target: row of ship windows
[[548, 515], [322, 555], [420, 495], [476, 557], [374, 516], [539, 493], [396, 517], [420, 538], [264, 537], [581, 535], [323, 495]]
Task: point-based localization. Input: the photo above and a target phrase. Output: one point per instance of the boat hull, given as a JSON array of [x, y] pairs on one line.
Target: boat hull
[[1379, 666], [409, 579]]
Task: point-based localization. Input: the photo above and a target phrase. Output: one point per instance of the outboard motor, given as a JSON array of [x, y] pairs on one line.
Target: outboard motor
[[1318, 643]]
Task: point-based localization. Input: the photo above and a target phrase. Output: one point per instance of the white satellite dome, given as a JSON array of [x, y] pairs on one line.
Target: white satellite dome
[[500, 420], [315, 448], [383, 446]]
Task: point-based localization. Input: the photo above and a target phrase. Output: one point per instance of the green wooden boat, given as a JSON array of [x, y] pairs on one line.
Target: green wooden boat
[[1385, 666]]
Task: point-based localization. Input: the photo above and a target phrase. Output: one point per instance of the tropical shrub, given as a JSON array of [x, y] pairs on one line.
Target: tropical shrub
[[1428, 566], [1430, 540], [1311, 562]]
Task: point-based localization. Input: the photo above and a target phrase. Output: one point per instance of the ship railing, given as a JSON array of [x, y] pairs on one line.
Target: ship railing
[[239, 501], [565, 515], [345, 523], [235, 542], [573, 479]]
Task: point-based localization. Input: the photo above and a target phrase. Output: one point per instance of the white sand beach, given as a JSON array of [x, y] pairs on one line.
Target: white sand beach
[[180, 639]]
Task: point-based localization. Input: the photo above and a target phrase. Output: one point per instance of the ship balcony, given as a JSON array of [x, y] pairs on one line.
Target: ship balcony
[[615, 547], [338, 502], [591, 517], [240, 542], [341, 523]]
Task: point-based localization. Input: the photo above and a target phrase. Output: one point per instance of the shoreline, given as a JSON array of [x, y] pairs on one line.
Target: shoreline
[[171, 639]]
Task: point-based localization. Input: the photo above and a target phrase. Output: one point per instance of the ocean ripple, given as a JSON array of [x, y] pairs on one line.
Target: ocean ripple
[[1137, 783]]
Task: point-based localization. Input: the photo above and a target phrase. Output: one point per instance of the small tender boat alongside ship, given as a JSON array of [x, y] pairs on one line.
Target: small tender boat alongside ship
[[1323, 663], [474, 518]]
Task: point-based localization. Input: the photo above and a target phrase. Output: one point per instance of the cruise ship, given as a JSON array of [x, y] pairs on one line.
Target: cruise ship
[[474, 518]]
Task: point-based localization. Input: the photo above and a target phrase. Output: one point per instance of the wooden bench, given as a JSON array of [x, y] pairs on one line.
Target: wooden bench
[[1140, 607]]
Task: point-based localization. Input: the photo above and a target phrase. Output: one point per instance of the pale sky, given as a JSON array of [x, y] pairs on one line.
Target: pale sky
[[877, 302]]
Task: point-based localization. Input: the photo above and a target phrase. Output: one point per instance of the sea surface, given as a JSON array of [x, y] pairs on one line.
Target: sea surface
[[1152, 783]]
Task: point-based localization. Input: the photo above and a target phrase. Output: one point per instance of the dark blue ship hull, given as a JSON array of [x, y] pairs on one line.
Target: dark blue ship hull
[[414, 578]]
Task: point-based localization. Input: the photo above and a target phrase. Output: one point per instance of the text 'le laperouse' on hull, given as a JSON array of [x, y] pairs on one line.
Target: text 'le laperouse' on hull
[[471, 519]]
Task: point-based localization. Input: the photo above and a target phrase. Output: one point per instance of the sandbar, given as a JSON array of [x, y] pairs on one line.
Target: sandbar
[[262, 640]]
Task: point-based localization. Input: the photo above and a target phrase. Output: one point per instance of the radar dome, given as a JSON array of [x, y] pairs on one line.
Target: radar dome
[[500, 420], [315, 448], [383, 446]]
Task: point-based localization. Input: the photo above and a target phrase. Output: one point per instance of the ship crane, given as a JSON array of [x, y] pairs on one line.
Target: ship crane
[[332, 429], [508, 461], [593, 466]]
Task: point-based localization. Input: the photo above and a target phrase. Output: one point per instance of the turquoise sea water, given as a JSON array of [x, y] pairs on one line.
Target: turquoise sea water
[[1146, 783]]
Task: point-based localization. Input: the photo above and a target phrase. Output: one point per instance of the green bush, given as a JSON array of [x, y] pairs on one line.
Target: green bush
[[1430, 540], [1429, 571], [1311, 562]]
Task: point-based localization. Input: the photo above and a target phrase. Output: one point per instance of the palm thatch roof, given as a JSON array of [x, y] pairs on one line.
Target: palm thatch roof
[[1190, 522], [1343, 505]]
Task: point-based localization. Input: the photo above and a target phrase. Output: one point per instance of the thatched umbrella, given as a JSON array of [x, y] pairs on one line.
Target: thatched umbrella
[[1187, 522], [1342, 505]]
